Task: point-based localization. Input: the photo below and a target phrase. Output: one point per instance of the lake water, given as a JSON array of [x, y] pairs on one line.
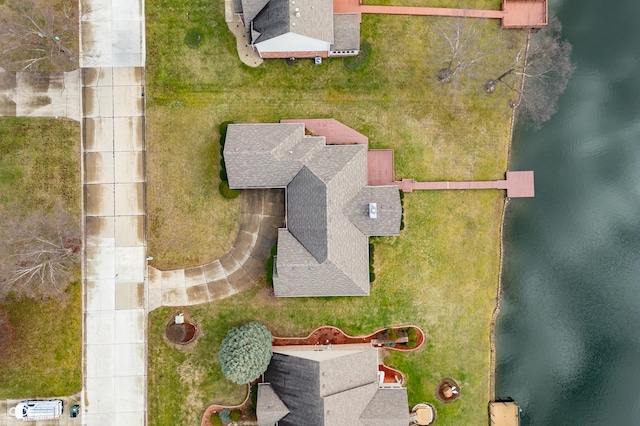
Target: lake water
[[568, 336]]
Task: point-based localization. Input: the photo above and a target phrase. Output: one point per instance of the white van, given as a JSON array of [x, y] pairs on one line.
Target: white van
[[37, 410]]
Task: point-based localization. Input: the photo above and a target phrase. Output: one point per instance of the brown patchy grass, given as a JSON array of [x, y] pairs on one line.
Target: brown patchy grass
[[190, 223], [39, 165], [440, 274]]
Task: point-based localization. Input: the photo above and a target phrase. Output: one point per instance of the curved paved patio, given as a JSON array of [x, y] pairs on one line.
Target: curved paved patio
[[261, 214]]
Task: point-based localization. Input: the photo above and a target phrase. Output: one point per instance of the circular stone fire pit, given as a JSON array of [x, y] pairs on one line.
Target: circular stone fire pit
[[180, 331], [448, 390]]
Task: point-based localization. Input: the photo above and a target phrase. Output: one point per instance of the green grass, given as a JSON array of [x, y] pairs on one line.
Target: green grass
[[356, 63], [448, 288], [39, 164], [440, 274], [45, 358]]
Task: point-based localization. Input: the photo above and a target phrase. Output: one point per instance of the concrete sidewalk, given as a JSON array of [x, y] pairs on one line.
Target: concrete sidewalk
[[112, 55], [115, 249]]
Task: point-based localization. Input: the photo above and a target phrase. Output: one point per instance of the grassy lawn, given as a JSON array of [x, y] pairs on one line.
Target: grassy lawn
[[45, 358], [39, 164], [440, 274]]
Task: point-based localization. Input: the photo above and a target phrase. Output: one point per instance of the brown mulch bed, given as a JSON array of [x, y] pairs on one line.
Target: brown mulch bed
[[321, 336], [181, 333], [332, 335], [391, 375], [444, 392]]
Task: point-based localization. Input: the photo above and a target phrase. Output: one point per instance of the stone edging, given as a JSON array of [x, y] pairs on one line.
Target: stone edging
[[214, 408]]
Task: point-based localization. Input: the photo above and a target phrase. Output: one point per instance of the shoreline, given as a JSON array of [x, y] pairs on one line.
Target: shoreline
[[496, 311]]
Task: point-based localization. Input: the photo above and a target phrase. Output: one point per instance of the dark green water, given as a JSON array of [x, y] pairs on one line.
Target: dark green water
[[568, 337]]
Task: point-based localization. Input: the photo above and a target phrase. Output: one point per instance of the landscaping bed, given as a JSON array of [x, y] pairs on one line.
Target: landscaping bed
[[332, 335]]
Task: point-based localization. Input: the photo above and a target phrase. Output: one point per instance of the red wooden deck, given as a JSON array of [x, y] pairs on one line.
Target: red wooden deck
[[514, 13], [380, 162], [524, 13], [517, 184], [334, 131]]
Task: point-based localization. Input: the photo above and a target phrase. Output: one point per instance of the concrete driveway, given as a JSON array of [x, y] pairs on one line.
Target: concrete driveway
[[261, 214]]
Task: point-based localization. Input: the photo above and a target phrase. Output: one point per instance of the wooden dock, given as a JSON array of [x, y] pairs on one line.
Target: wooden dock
[[514, 13], [504, 413], [517, 185]]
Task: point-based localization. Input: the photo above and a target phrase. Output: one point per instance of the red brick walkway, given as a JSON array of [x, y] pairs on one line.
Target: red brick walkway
[[517, 184]]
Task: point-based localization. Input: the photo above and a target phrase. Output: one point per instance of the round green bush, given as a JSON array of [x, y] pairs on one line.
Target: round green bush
[[225, 416], [245, 352], [227, 192], [372, 277], [223, 175], [254, 395], [269, 268], [215, 420], [236, 415], [194, 38], [223, 131]]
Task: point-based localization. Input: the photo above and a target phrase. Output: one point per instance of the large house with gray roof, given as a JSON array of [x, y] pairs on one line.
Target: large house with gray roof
[[330, 210], [329, 386], [299, 28]]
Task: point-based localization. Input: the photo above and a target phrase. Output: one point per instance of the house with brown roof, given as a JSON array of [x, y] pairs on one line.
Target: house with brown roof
[[299, 28], [330, 210], [329, 386]]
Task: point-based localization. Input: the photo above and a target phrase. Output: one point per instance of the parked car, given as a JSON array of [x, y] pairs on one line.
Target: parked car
[[37, 410]]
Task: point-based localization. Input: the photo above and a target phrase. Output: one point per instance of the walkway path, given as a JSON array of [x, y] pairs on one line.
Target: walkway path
[[514, 14], [261, 214], [115, 315], [29, 94], [517, 184]]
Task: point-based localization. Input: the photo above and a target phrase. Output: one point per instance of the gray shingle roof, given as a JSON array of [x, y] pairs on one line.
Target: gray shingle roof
[[270, 407], [324, 251], [389, 210], [266, 155], [310, 18], [298, 274], [336, 387], [251, 8], [346, 31], [388, 407], [307, 212]]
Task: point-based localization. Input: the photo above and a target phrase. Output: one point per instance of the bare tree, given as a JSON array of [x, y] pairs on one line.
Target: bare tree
[[41, 253], [39, 35], [539, 73], [464, 47]]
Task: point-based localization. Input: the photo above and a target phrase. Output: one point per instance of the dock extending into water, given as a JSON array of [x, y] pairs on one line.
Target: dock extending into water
[[518, 185], [514, 13], [504, 413]]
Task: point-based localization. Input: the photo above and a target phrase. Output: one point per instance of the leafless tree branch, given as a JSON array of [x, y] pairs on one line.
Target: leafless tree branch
[[39, 35], [40, 253]]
